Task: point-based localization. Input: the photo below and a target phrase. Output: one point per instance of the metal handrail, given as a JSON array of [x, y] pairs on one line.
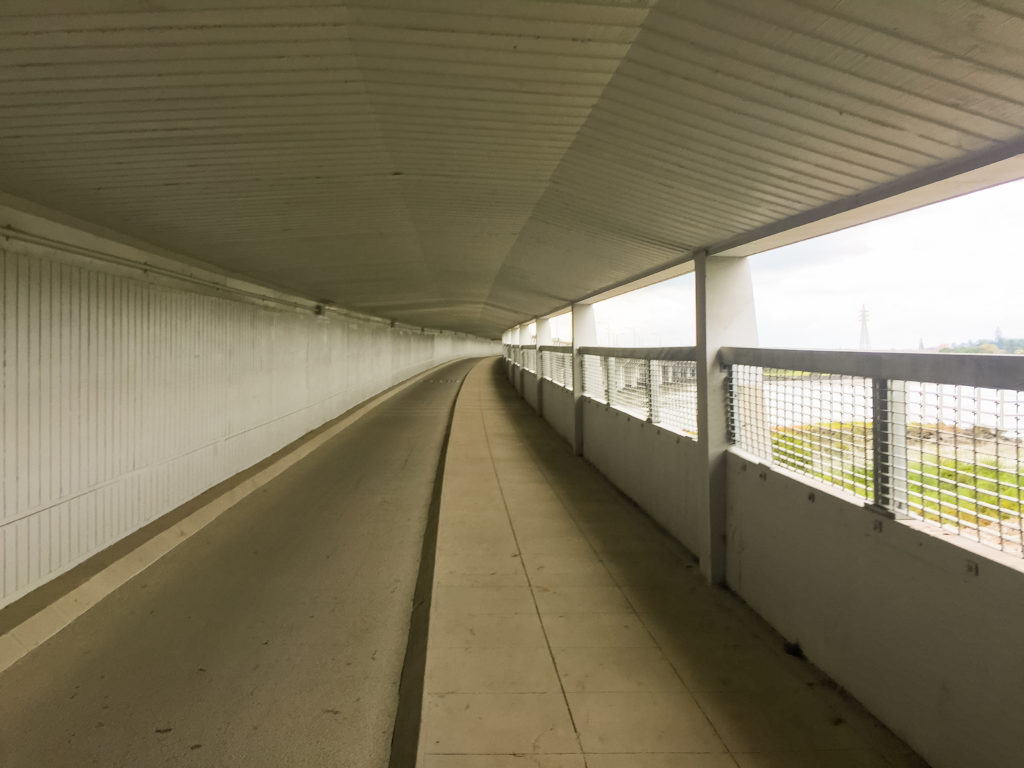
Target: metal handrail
[[642, 353], [986, 371]]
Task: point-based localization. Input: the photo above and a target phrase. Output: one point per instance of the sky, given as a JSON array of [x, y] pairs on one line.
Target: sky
[[942, 274]]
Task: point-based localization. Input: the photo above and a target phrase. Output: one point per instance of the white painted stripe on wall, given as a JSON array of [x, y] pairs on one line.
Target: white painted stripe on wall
[[121, 397]]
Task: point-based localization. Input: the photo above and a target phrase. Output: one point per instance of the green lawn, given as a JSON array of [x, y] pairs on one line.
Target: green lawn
[[944, 490], [940, 489], [808, 449]]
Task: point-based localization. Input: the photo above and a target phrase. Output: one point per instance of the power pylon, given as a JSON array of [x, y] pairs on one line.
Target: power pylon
[[865, 338]]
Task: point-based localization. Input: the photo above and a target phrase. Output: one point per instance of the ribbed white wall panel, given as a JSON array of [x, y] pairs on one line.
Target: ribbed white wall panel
[[122, 396]]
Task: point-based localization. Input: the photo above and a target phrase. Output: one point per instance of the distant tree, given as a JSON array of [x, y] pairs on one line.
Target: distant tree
[[987, 346]]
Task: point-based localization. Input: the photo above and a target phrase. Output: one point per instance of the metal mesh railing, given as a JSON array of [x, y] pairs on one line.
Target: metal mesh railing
[[674, 395], [656, 385], [556, 366], [956, 458], [530, 359], [629, 386], [951, 455], [595, 378], [816, 424]]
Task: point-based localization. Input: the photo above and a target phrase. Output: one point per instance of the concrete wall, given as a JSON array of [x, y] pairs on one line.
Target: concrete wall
[[892, 612], [557, 408], [124, 393], [652, 466], [529, 388]]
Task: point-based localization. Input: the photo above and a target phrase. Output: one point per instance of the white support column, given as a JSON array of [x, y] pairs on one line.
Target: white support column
[[725, 317], [543, 340], [515, 336], [544, 336], [584, 334]]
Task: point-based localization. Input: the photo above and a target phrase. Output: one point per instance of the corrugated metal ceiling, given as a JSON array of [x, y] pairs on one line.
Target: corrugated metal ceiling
[[466, 164]]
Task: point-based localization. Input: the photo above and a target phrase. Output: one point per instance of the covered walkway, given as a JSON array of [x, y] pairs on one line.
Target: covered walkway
[[566, 629], [226, 223]]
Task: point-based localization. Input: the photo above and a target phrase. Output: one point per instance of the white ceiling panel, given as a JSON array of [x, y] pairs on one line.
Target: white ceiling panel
[[467, 164]]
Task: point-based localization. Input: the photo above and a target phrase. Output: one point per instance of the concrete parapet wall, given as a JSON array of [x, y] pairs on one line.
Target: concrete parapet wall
[[925, 632], [557, 407], [652, 466], [529, 388]]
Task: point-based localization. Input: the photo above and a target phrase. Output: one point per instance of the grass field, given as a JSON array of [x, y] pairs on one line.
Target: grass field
[[940, 488], [950, 491]]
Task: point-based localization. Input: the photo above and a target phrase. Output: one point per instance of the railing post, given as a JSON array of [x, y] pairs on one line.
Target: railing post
[[725, 317], [898, 450], [584, 334], [652, 408], [606, 369], [889, 447]]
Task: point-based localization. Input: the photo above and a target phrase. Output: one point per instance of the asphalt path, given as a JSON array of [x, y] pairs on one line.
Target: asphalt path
[[275, 636]]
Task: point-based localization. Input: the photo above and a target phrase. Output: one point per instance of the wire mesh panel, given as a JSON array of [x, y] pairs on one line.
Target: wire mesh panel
[[595, 381], [674, 395], [557, 367], [628, 386], [817, 424], [957, 459], [530, 359]]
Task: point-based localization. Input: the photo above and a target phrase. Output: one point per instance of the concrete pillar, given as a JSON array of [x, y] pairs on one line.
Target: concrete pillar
[[725, 318], [544, 332], [584, 334], [543, 340], [513, 374]]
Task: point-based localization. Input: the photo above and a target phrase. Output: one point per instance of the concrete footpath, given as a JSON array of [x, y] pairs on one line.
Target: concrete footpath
[[275, 636], [568, 631]]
